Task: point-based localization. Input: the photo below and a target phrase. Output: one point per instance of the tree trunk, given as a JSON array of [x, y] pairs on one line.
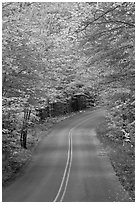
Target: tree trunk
[[23, 137]]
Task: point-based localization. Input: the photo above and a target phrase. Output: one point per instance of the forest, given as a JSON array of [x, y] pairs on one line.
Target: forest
[[63, 57]]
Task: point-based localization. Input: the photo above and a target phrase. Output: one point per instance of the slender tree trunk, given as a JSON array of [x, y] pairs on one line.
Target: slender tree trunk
[[23, 137]]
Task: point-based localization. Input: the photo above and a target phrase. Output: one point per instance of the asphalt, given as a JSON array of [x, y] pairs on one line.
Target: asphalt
[[69, 165]]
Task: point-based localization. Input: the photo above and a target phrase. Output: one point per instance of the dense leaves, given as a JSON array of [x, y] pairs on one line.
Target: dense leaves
[[108, 44], [54, 50]]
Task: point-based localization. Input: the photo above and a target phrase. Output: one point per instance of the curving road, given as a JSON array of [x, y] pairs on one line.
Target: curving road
[[69, 165]]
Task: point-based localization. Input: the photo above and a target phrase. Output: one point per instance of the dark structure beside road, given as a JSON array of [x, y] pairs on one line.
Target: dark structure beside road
[[76, 103]]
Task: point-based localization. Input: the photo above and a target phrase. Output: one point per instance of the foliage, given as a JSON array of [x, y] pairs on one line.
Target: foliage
[[52, 51], [108, 44]]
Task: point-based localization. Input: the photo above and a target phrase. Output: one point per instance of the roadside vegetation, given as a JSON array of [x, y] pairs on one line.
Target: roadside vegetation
[[59, 58], [120, 152]]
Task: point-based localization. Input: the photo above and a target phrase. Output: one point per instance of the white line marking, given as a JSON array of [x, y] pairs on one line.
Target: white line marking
[[68, 172], [65, 172]]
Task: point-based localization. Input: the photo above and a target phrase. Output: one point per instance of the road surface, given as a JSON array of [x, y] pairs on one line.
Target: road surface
[[69, 165]]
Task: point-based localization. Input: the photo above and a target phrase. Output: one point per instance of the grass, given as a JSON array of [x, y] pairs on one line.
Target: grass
[[122, 156]]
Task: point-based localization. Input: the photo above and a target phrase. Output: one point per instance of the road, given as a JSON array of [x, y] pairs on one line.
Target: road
[[69, 165]]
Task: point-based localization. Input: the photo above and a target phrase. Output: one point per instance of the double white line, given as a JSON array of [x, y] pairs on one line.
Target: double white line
[[63, 186], [62, 190]]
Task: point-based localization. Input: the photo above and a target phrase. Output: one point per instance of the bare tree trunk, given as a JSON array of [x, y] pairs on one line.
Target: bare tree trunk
[[23, 137]]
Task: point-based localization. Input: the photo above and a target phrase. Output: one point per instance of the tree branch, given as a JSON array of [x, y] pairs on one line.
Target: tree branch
[[110, 30], [95, 19], [117, 21], [4, 6]]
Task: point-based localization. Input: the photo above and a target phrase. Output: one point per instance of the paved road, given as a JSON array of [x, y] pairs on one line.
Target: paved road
[[69, 165]]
